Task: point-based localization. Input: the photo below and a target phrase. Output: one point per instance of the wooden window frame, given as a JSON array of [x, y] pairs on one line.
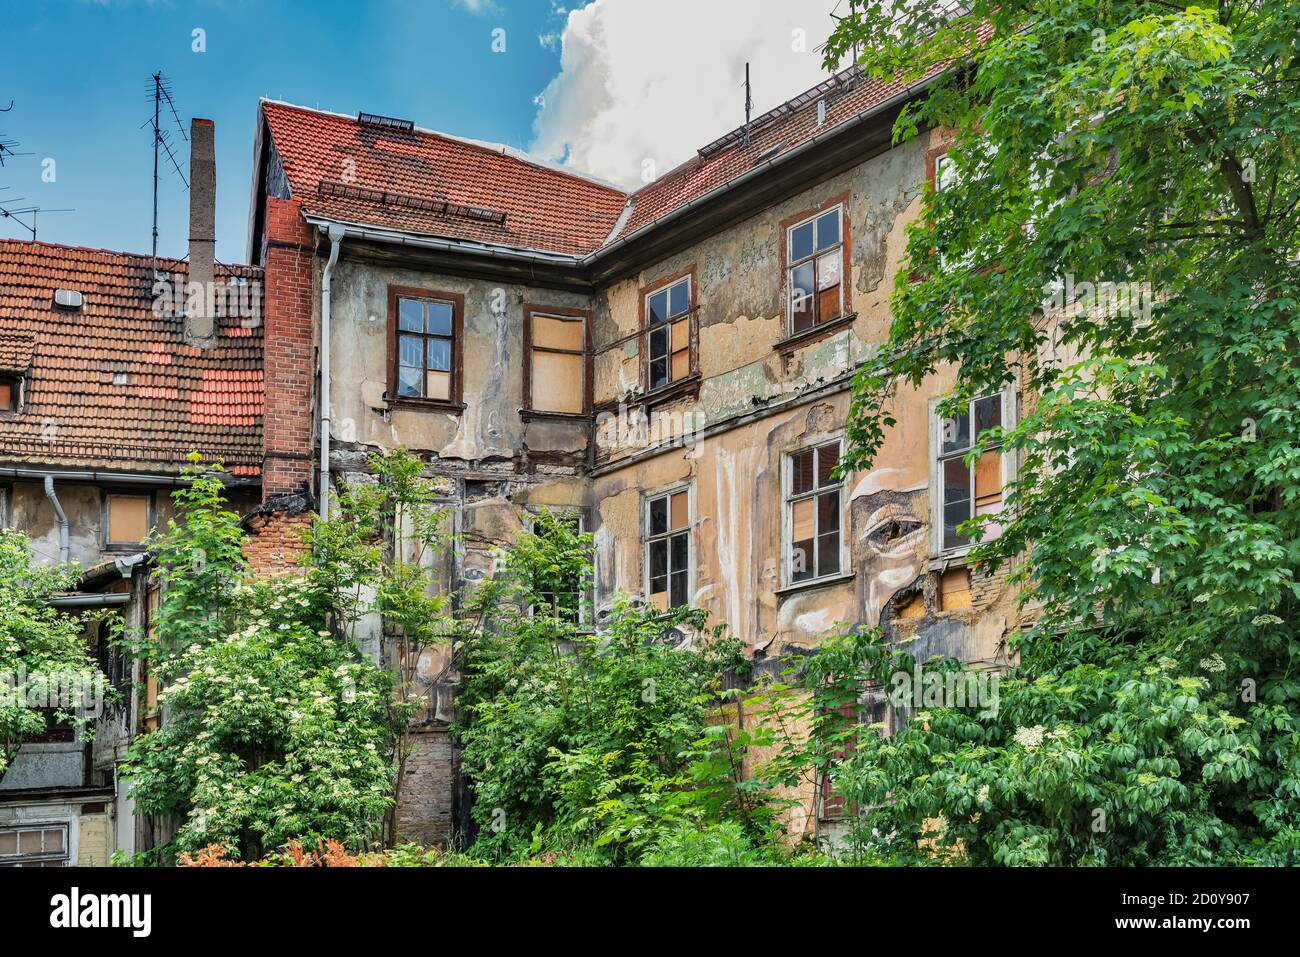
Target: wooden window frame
[[788, 500], [648, 538], [557, 312], [787, 227], [17, 384], [106, 517], [692, 317], [457, 391], [43, 859], [944, 554]]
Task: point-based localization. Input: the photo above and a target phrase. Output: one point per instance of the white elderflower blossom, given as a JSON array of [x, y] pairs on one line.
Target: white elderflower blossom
[[1030, 738]]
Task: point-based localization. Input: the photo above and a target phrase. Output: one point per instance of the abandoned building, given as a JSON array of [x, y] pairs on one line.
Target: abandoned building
[[107, 383], [671, 366]]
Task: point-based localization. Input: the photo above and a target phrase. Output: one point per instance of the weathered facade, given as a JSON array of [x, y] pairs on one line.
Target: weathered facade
[[673, 365]]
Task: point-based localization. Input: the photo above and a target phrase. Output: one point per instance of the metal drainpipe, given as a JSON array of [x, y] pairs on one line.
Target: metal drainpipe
[[65, 550], [335, 234]]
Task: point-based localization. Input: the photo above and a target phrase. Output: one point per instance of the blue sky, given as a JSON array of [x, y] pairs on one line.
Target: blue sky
[[78, 73], [602, 84]]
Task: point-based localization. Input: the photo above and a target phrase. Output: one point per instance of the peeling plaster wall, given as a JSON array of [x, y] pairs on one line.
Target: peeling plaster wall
[[758, 400]]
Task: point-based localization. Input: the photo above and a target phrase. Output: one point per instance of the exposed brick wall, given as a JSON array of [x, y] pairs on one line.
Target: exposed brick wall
[[290, 357], [274, 543], [425, 809]]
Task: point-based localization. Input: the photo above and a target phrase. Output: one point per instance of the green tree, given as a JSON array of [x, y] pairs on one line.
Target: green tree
[[1154, 527], [594, 743], [274, 729], [43, 651]]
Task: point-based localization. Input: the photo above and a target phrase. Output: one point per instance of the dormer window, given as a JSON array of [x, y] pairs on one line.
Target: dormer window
[[11, 394]]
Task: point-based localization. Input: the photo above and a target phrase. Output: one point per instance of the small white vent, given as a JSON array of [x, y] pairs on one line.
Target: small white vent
[[67, 298]]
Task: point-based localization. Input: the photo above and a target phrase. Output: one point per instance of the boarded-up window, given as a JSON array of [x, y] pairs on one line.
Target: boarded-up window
[[668, 323], [425, 343], [970, 488], [668, 548], [128, 519], [36, 846], [813, 513], [815, 249], [557, 377]]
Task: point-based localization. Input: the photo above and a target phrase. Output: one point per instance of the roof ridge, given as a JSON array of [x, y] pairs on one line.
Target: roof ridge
[[498, 149], [127, 254]]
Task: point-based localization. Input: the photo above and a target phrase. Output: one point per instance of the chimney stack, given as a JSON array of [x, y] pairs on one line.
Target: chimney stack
[[200, 318]]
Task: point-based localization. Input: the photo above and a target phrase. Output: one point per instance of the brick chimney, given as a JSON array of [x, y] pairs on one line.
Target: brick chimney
[[200, 318]]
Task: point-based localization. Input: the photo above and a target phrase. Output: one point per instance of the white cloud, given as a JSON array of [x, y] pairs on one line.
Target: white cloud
[[657, 80], [477, 6]]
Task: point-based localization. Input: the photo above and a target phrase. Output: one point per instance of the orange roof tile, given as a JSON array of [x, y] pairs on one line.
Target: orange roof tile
[[112, 385], [399, 179]]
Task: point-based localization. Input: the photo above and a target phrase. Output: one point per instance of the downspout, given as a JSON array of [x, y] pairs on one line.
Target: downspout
[[65, 550], [335, 233]]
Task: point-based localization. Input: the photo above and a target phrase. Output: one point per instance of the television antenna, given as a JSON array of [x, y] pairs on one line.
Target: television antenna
[[160, 92]]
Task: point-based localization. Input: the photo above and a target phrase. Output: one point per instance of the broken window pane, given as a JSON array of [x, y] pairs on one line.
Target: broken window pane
[[410, 315], [801, 242], [828, 229]]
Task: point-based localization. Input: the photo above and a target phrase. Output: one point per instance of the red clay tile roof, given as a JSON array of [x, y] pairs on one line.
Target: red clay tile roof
[[169, 398], [398, 179], [847, 95], [389, 178]]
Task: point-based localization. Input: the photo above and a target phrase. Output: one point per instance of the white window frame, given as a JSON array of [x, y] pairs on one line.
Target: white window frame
[[791, 264], [940, 555], [787, 515], [666, 288], [647, 538], [586, 613]]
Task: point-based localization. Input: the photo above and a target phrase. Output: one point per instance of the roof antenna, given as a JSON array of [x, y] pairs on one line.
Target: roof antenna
[[749, 103], [857, 48], [160, 91], [7, 211]]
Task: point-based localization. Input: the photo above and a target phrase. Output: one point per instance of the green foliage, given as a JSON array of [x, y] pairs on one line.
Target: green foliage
[[41, 648], [274, 729], [584, 743], [1155, 523]]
